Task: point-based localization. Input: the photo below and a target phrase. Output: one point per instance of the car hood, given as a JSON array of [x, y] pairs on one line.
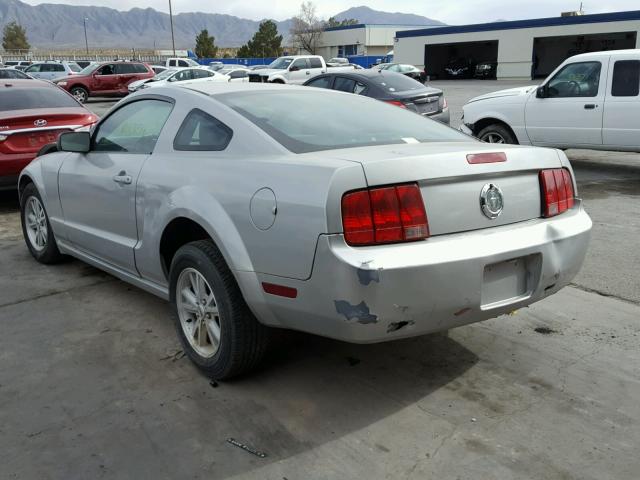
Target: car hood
[[509, 92], [137, 83]]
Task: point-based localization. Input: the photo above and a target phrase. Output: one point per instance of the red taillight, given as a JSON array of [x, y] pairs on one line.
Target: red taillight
[[384, 215], [557, 191], [396, 103]]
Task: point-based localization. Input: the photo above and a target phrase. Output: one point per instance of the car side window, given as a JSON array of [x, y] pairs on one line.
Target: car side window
[[201, 132], [201, 73], [394, 68], [320, 82], [106, 70], [139, 68], [133, 128], [57, 67], [300, 63], [576, 80], [360, 88], [315, 63], [239, 74], [344, 84], [125, 69], [172, 63], [182, 63], [33, 69], [626, 78]]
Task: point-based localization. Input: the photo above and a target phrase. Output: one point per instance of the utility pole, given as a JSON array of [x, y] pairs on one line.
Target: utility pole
[[86, 42], [173, 41]]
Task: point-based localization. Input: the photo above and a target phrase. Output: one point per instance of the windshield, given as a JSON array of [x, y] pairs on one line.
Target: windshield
[[314, 120], [11, 73], [89, 69], [397, 82], [74, 67], [26, 98], [281, 63]]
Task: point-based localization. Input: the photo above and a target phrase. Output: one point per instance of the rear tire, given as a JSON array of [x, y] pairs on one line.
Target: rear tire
[[36, 228], [216, 328], [497, 133], [80, 93]]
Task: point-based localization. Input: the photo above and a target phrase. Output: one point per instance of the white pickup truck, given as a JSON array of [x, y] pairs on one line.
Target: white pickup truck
[[181, 62], [590, 101], [295, 69]]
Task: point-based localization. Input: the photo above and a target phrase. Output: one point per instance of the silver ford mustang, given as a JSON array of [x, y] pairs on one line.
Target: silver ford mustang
[[256, 206]]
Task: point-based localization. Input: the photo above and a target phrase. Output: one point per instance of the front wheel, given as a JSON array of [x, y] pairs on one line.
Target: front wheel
[[216, 328], [36, 228], [79, 93], [496, 133]]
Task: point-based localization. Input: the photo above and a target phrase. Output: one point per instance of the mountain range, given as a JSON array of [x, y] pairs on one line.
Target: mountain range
[[61, 26]]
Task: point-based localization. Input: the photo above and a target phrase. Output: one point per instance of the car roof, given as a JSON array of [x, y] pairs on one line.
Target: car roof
[[364, 74], [25, 82], [608, 53]]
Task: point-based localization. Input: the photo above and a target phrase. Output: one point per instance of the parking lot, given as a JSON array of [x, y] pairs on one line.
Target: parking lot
[[93, 383]]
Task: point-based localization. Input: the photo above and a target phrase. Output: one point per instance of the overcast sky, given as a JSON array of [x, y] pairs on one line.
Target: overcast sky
[[448, 11]]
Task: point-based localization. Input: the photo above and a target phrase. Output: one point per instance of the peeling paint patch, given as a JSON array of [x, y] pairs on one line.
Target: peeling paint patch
[[395, 326], [360, 312], [368, 276], [462, 312]]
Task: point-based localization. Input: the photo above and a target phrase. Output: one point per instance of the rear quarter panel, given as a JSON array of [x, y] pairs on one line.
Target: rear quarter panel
[[216, 189]]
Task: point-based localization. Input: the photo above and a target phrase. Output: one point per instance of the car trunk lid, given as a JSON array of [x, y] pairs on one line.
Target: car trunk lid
[[26, 131], [451, 186]]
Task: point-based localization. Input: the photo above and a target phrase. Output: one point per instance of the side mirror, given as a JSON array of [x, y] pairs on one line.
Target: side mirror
[[542, 92], [78, 142], [294, 69]]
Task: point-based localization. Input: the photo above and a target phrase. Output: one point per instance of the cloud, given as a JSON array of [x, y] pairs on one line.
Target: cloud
[[454, 12]]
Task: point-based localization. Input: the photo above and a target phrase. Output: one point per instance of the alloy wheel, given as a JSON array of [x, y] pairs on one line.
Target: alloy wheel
[[493, 137], [36, 221], [198, 312]]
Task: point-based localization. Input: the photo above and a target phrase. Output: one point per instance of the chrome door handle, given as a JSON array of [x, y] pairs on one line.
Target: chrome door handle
[[123, 178]]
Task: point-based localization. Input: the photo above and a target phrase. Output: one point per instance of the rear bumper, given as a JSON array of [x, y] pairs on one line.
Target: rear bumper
[[12, 164], [375, 294]]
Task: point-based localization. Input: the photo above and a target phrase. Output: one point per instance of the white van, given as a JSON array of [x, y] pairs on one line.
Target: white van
[[590, 101]]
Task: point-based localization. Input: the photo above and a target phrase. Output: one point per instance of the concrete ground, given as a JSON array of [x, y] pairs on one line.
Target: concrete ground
[[93, 383]]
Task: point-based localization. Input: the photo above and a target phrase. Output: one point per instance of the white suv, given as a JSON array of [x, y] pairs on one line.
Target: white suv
[[52, 70], [590, 101]]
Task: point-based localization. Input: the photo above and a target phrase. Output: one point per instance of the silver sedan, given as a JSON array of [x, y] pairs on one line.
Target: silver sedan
[[259, 206]]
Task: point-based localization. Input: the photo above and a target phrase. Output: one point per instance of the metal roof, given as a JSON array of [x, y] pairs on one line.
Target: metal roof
[[519, 24], [373, 25]]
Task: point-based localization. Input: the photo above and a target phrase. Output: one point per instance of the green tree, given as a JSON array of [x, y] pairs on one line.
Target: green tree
[[333, 22], [14, 37], [265, 42], [205, 45]]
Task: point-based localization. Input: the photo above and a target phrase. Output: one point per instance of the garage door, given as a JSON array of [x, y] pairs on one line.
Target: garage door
[[459, 60], [549, 52]]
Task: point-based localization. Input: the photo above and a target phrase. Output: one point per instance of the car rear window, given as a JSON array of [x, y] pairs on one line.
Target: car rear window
[[396, 83], [26, 98], [317, 119]]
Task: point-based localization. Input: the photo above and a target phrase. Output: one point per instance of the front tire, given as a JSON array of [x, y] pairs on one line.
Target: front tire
[[216, 328], [497, 133], [36, 228]]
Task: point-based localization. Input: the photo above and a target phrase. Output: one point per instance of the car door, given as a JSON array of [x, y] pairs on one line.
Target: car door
[[299, 71], [105, 79], [34, 71], [127, 73], [571, 112], [621, 121], [55, 70], [98, 189]]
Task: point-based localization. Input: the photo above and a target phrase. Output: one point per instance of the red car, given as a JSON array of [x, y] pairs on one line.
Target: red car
[[104, 79], [32, 114]]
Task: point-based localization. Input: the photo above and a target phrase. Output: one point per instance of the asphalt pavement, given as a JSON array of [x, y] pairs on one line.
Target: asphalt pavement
[[93, 383]]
